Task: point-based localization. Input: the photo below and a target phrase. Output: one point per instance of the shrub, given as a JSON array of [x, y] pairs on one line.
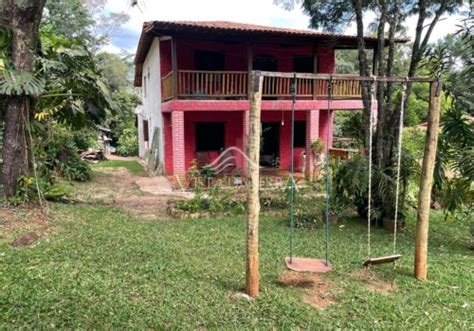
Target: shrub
[[127, 144], [27, 190], [75, 169]]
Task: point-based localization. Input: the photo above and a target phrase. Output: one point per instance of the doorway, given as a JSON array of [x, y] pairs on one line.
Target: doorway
[[270, 144]]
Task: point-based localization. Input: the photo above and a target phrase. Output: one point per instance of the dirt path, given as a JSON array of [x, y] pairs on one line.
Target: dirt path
[[142, 197]]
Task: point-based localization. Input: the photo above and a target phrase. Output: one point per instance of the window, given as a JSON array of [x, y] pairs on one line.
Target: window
[[265, 63], [209, 60], [145, 131], [300, 134], [209, 137], [144, 86], [303, 64]]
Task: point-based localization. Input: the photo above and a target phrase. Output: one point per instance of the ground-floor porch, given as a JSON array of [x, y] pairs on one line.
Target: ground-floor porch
[[198, 138]]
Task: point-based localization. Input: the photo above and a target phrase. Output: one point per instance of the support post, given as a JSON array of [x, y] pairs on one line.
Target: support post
[[426, 184], [177, 134], [174, 68], [245, 140], [249, 68], [253, 202]]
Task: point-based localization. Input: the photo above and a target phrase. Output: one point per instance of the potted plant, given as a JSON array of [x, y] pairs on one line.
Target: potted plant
[[317, 146]]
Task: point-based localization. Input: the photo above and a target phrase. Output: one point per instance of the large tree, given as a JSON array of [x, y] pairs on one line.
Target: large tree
[[391, 14], [21, 19]]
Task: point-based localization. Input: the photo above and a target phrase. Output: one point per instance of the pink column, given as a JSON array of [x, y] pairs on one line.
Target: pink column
[[326, 123], [177, 132], [331, 128], [312, 133]]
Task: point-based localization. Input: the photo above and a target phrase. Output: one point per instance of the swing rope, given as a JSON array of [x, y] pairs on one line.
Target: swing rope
[[292, 187], [394, 257], [399, 156], [293, 88], [369, 193], [326, 221]]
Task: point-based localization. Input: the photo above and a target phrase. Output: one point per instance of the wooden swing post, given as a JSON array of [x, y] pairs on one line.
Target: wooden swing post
[[426, 184], [253, 200]]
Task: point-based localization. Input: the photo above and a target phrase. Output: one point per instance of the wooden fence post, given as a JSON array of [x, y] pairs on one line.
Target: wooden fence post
[[426, 184], [253, 201]]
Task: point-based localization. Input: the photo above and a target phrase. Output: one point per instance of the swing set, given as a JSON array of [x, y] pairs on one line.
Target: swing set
[[300, 264]]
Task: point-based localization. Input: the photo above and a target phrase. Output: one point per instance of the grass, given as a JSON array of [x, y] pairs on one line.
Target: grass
[[100, 268], [133, 166]]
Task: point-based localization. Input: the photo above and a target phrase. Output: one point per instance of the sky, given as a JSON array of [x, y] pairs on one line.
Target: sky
[[262, 12]]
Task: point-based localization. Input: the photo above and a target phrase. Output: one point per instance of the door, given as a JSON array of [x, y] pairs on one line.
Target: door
[[270, 144]]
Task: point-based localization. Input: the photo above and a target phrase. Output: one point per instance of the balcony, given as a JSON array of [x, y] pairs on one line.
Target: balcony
[[233, 85]]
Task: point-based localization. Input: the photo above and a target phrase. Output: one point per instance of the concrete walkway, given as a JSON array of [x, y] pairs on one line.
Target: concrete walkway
[[161, 186]]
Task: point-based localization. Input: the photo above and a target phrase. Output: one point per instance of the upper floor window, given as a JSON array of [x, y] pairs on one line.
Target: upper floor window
[[303, 64], [209, 60], [265, 63]]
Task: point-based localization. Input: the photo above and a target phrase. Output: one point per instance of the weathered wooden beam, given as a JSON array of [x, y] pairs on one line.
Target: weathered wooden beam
[[253, 200], [426, 183], [249, 66], [315, 71], [174, 67]]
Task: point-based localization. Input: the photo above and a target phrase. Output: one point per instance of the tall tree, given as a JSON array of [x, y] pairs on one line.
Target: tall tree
[[336, 15], [22, 19]]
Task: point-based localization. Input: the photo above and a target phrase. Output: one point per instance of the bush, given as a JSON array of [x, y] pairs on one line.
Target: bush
[[127, 144], [75, 169], [27, 190], [217, 200]]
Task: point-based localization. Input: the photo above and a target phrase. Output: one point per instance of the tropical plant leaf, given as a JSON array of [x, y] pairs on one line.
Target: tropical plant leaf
[[14, 82]]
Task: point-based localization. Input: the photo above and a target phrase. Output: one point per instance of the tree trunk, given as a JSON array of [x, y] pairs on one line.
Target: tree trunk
[[419, 47], [424, 198], [380, 86], [15, 155], [253, 200], [363, 69], [23, 18], [387, 144]]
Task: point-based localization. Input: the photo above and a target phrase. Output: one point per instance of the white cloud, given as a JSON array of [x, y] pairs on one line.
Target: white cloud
[[262, 12]]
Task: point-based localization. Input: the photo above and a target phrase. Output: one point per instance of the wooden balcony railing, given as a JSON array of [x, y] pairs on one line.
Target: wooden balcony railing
[[211, 84], [208, 85], [167, 87]]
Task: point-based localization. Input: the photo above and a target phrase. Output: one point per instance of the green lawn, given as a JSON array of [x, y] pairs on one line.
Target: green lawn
[[98, 268], [133, 166]]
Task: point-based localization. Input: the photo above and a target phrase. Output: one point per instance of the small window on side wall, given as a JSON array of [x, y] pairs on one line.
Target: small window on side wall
[[144, 86], [145, 131]]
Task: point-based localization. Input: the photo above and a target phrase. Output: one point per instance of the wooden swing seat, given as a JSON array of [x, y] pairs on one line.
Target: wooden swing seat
[[381, 260], [301, 264]]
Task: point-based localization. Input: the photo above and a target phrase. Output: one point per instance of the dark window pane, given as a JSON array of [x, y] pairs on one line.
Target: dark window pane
[[303, 64], [300, 134], [209, 61], [265, 63], [209, 136], [145, 131]]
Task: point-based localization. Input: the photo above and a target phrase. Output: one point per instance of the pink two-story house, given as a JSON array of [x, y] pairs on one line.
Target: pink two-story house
[[194, 78]]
